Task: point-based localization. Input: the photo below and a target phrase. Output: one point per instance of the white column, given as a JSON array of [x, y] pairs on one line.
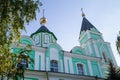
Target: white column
[[61, 66], [89, 47], [90, 68], [37, 54], [100, 69], [65, 65], [42, 61], [47, 64], [71, 65], [36, 60], [96, 49]]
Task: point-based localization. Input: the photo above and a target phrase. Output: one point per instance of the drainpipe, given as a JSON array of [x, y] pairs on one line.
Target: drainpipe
[[63, 62], [47, 75], [45, 58], [96, 77]]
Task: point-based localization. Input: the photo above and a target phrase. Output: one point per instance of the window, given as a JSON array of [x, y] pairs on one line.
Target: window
[[46, 38], [22, 64], [54, 65], [80, 69], [104, 57], [37, 39]]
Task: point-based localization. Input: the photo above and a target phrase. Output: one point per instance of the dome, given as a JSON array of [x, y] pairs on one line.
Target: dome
[[43, 20]]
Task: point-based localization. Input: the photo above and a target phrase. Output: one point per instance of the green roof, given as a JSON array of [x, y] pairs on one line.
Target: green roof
[[86, 25], [43, 29]]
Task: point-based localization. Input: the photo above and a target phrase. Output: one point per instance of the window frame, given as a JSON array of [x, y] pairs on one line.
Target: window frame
[[54, 65], [23, 64], [105, 57], [46, 38], [83, 67], [37, 39]]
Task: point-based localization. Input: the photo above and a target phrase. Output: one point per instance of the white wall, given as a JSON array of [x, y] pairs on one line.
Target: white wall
[[54, 55], [66, 64], [37, 54]]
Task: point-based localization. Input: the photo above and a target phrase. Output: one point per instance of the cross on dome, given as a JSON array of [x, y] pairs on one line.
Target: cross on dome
[[83, 14], [43, 20]]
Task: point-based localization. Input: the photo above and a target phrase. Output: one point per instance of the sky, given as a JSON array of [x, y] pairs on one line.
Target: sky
[[64, 20]]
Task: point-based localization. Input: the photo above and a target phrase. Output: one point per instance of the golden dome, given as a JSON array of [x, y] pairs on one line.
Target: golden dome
[[83, 14], [43, 20]]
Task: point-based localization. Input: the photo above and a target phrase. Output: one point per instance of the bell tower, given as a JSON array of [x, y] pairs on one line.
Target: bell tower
[[92, 41]]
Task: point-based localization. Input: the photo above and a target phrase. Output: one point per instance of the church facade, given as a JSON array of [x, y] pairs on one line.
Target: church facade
[[88, 61]]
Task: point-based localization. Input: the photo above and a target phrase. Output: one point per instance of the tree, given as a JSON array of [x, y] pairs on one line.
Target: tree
[[22, 61], [13, 15], [118, 43], [113, 72]]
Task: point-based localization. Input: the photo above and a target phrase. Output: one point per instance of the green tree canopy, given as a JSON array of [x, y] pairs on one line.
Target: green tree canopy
[[113, 72], [118, 43], [13, 15]]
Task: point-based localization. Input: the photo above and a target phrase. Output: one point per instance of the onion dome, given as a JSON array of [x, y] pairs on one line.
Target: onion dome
[[43, 20], [43, 28]]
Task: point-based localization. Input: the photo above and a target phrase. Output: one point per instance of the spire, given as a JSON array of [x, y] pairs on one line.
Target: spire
[[43, 20], [83, 14], [86, 25]]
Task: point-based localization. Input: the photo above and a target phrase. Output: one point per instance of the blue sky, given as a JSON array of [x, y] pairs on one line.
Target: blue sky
[[64, 20]]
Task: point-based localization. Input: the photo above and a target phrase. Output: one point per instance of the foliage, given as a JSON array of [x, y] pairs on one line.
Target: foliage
[[118, 43], [113, 72], [22, 61], [13, 15]]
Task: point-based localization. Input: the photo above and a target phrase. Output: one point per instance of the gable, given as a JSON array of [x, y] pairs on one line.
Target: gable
[[26, 40], [77, 50]]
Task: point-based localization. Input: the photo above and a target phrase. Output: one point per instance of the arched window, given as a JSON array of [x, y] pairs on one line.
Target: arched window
[[22, 64], [37, 39], [54, 65], [80, 69], [46, 38]]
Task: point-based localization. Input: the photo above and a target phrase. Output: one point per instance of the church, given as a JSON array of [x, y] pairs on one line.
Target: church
[[88, 61]]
